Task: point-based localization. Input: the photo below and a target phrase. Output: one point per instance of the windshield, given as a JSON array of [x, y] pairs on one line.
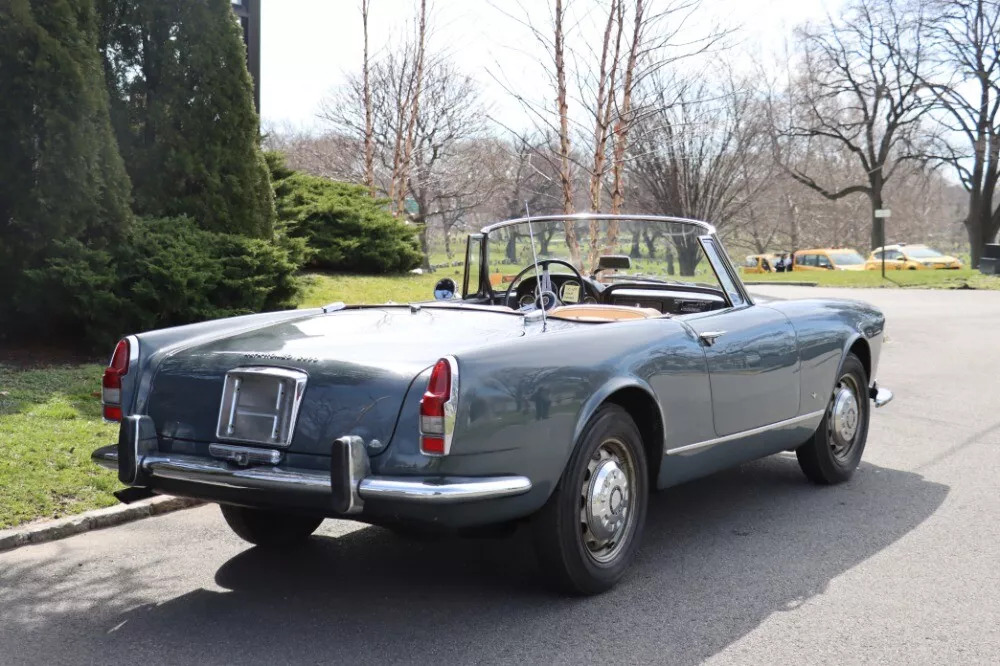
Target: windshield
[[846, 258], [918, 252], [632, 249]]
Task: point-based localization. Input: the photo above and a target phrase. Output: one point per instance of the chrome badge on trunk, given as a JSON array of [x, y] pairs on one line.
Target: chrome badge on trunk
[[260, 405]]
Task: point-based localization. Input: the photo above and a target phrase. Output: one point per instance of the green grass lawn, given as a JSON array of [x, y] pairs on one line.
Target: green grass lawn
[[50, 421], [373, 289], [963, 278], [50, 414]]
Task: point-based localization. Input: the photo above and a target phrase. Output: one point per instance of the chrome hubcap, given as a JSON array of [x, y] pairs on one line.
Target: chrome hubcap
[[843, 417], [845, 413], [606, 498]]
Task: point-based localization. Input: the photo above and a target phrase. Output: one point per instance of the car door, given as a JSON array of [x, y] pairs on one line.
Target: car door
[[894, 260], [752, 356]]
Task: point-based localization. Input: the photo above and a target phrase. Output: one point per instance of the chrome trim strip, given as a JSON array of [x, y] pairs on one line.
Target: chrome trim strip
[[443, 491], [708, 443], [704, 226], [106, 457], [433, 490]]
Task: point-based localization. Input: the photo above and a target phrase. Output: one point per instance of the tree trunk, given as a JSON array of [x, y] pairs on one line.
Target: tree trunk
[[369, 127], [543, 242], [669, 256], [511, 247], [565, 175], [635, 252], [425, 247], [688, 256], [650, 244], [415, 109]]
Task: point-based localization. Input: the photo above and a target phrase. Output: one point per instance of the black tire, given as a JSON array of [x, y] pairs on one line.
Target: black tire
[[568, 549], [829, 457], [269, 528]]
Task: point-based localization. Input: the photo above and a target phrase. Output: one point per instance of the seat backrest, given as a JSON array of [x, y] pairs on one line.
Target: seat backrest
[[597, 312]]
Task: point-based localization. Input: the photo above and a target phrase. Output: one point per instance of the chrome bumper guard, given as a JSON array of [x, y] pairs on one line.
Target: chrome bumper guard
[[348, 483], [880, 396]]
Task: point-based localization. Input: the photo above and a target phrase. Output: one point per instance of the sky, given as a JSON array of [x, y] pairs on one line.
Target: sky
[[309, 46]]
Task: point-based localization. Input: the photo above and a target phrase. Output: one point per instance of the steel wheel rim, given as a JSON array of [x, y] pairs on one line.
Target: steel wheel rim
[[843, 418], [607, 501]]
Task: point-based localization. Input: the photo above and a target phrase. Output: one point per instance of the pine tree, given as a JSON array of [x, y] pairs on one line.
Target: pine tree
[[61, 176], [182, 105]]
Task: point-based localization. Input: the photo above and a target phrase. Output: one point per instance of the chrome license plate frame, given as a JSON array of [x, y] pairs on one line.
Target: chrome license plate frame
[[260, 405]]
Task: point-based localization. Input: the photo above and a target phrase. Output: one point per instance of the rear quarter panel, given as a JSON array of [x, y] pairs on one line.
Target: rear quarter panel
[[523, 403]]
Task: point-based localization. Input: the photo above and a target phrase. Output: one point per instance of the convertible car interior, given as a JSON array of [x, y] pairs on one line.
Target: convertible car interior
[[610, 293]]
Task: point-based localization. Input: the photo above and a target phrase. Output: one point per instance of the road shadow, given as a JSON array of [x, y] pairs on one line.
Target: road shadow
[[720, 556]]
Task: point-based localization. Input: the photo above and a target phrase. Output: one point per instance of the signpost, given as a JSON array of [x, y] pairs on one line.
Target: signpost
[[248, 14], [883, 213]]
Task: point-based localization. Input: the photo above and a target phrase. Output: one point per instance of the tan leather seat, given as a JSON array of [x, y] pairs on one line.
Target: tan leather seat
[[595, 312]]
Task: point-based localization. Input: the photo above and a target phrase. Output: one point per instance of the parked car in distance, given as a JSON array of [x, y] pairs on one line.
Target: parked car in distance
[[758, 263], [829, 259], [910, 257], [555, 399]]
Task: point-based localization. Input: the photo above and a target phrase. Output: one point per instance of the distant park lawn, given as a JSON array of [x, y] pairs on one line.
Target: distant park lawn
[[50, 417], [963, 278]]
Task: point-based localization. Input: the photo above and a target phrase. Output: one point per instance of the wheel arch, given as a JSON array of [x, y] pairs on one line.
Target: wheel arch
[[637, 398], [859, 346]]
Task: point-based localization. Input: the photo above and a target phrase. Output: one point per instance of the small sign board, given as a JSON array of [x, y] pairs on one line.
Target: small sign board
[[882, 212]]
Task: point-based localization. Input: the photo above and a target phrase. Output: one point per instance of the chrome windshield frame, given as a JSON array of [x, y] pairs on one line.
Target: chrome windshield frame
[[704, 230]]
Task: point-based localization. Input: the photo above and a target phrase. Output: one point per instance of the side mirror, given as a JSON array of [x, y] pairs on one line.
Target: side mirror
[[445, 289]]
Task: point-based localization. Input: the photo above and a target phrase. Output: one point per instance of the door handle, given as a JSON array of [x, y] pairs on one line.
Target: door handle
[[709, 337]]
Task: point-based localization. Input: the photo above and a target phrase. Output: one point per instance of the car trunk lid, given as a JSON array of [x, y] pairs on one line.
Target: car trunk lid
[[357, 366]]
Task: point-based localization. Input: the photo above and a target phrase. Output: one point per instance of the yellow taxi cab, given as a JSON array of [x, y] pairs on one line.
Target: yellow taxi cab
[[828, 259], [910, 257], [758, 263]]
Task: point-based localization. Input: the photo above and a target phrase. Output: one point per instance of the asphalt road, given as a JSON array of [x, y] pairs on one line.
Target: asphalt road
[[754, 565]]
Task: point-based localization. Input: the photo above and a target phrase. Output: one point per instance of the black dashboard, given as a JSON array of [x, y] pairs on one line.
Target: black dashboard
[[665, 298]]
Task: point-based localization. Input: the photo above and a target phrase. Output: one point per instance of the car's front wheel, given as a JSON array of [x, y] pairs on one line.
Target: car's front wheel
[[833, 453], [589, 531], [269, 528]]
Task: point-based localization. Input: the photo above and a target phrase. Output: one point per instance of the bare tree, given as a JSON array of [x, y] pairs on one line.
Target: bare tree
[[703, 153], [860, 87], [966, 37], [414, 110], [369, 130], [442, 178]]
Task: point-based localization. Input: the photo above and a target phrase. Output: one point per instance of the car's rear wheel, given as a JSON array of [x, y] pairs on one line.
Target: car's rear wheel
[[833, 453], [589, 531], [269, 528]]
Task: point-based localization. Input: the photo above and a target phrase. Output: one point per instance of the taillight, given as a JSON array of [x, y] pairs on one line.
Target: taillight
[[111, 384], [438, 407]]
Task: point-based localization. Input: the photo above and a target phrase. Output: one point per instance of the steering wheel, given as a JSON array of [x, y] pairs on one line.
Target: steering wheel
[[546, 297]]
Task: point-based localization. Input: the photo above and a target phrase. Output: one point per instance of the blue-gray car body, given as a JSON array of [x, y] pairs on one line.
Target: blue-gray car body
[[707, 390]]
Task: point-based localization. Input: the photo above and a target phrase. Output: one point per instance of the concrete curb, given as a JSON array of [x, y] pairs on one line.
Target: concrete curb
[[91, 520]]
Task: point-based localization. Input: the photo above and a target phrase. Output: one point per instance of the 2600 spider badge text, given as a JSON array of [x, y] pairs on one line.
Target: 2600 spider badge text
[[557, 385]]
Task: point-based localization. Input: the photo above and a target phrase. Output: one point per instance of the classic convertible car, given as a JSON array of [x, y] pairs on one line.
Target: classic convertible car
[[559, 385]]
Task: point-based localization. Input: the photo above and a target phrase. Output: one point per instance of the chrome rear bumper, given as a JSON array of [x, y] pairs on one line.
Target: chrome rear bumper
[[203, 471]]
